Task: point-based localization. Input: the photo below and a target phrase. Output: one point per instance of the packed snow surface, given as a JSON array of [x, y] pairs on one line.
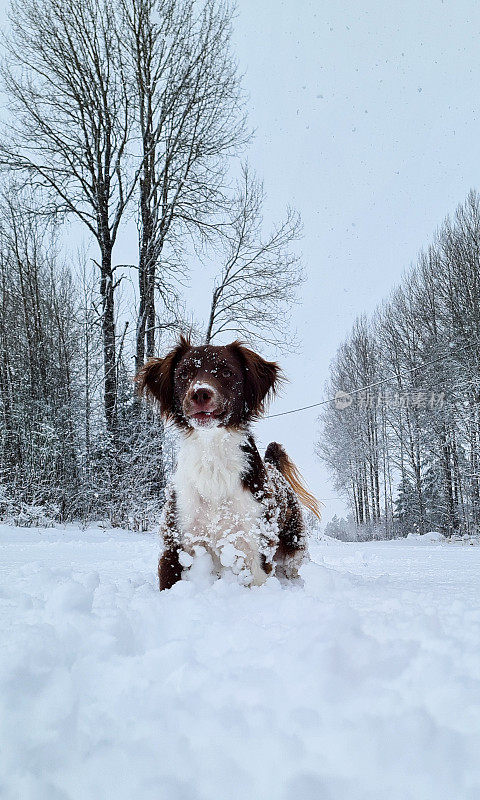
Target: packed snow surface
[[362, 685]]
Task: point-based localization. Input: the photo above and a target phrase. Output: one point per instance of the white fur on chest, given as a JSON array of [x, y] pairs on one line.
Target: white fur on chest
[[211, 501]]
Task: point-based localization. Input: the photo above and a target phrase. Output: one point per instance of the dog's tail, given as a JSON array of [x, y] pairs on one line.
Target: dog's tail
[[276, 455]]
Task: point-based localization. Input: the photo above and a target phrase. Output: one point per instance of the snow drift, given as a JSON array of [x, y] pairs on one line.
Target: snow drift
[[364, 684]]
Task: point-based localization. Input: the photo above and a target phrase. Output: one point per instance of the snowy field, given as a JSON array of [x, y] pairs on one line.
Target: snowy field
[[363, 685]]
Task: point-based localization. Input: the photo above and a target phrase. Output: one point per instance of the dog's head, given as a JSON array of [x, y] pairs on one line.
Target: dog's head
[[208, 386]]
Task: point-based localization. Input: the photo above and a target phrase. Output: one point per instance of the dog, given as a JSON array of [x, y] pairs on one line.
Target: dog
[[244, 511]]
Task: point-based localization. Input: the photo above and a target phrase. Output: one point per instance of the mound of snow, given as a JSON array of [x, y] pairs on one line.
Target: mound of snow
[[363, 685], [426, 538]]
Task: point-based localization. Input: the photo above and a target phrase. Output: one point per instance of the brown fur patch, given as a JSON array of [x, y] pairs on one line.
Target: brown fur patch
[[254, 478], [156, 378], [262, 378], [169, 569]]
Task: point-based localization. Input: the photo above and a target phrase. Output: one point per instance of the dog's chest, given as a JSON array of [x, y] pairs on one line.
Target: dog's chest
[[211, 500]]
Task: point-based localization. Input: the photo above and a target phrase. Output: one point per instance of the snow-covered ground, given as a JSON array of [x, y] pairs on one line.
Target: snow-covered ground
[[363, 685]]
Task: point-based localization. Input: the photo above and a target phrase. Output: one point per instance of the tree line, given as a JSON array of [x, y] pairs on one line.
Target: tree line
[[119, 110], [406, 450]]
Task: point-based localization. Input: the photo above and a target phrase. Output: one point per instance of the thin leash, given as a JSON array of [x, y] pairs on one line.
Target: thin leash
[[369, 386]]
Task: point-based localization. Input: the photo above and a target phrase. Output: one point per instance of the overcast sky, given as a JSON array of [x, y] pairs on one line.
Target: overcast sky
[[366, 118]]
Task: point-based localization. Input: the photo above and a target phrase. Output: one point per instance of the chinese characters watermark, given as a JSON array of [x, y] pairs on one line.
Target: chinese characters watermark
[[418, 399]]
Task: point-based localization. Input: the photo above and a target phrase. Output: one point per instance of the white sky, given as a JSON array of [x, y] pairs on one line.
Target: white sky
[[366, 122]]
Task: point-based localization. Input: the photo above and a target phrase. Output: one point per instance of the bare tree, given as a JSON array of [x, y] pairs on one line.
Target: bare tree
[[191, 117], [70, 124], [257, 282]]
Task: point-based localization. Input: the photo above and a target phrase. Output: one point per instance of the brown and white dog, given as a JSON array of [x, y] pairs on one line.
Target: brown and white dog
[[242, 510]]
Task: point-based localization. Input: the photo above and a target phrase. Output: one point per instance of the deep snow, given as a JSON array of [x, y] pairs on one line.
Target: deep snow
[[364, 684]]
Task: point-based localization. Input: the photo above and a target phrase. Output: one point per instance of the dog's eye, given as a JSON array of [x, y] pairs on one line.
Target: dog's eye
[[227, 373]]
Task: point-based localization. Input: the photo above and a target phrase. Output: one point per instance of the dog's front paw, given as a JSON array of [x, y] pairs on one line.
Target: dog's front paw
[[258, 576], [231, 557], [246, 567]]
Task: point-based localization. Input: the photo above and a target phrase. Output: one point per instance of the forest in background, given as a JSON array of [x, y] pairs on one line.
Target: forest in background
[[406, 450], [131, 109]]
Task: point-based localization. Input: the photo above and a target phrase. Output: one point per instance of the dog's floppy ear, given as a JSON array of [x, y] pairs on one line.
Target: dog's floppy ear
[[261, 378], [155, 378]]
